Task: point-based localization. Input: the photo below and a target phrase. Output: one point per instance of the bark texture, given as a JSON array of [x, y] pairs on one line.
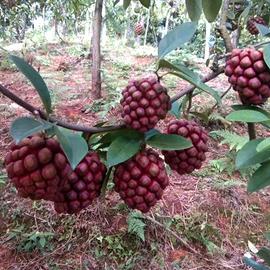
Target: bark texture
[[96, 51]]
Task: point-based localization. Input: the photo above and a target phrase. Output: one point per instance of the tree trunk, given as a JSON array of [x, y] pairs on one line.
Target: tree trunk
[[96, 57], [236, 36], [207, 41], [223, 29], [167, 23], [147, 26]]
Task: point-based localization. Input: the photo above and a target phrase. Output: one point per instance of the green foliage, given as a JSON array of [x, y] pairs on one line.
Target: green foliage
[[36, 241], [5, 63], [73, 144], [25, 126], [248, 116], [260, 179], [249, 155], [253, 112], [3, 179], [145, 3], [136, 224], [122, 149], [264, 145], [253, 264], [266, 54], [197, 228], [194, 9], [182, 72], [37, 81], [211, 9], [226, 164], [232, 139], [118, 247], [224, 184], [168, 142], [263, 253], [176, 107], [29, 242], [235, 143], [176, 38]]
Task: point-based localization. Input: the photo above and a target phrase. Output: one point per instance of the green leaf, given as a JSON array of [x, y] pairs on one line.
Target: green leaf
[[176, 38], [247, 116], [260, 179], [264, 145], [255, 266], [136, 224], [109, 137], [126, 4], [122, 149], [181, 68], [190, 76], [42, 242], [264, 253], [211, 9], [176, 107], [194, 9], [151, 133], [34, 77], [169, 142], [266, 54], [250, 107], [145, 3], [264, 30], [245, 14], [267, 236], [248, 155], [25, 126], [73, 144], [254, 108]]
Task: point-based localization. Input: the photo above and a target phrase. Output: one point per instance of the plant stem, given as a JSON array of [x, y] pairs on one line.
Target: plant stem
[[182, 241], [222, 96], [91, 130], [205, 79], [105, 183], [251, 131]]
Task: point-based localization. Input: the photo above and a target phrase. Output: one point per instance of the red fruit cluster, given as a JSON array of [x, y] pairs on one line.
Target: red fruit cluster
[[251, 25], [31, 166], [141, 180], [144, 103], [186, 161], [79, 187], [249, 75], [138, 29], [39, 170]]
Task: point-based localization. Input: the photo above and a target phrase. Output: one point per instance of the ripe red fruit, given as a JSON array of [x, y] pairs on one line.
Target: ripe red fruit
[[31, 167], [141, 180], [144, 103], [79, 187], [139, 29], [251, 25], [249, 75], [186, 161]]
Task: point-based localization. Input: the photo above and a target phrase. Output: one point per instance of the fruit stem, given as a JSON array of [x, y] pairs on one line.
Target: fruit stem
[[221, 97], [251, 131], [190, 95], [105, 183]]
